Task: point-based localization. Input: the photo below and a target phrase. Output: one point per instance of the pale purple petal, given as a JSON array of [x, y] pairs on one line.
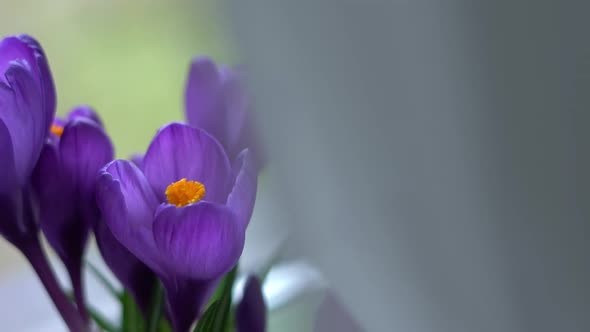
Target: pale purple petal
[[243, 195], [201, 241], [203, 105], [179, 151]]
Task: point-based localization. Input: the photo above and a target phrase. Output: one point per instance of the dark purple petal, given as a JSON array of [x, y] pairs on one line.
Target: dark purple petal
[[128, 203], [27, 50], [85, 112], [85, 149], [22, 112], [18, 224], [8, 172], [203, 105], [179, 151], [251, 312], [14, 48], [243, 195], [133, 274], [200, 241], [185, 299]]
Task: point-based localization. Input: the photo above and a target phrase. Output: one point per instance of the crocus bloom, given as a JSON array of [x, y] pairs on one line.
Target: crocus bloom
[[27, 107], [184, 214], [251, 311], [65, 179], [216, 101]]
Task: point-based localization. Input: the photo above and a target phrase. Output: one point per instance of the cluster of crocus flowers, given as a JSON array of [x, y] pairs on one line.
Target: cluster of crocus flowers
[[176, 216]]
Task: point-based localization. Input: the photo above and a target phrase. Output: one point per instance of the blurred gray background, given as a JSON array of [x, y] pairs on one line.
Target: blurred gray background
[[432, 156]]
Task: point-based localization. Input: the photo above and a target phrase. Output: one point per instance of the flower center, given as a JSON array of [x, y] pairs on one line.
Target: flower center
[[57, 130], [183, 192]]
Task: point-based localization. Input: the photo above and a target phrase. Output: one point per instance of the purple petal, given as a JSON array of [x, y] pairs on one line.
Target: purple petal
[[251, 312], [85, 149], [243, 195], [14, 48], [238, 114], [26, 49], [201, 241], [45, 78], [58, 203], [202, 98], [137, 159], [179, 151], [135, 276], [22, 112], [8, 174], [85, 112], [185, 300], [128, 203]]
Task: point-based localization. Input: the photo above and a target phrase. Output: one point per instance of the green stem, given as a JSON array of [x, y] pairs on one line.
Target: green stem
[[156, 309]]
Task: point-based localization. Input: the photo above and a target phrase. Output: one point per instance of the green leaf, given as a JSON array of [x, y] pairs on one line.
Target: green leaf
[[98, 318], [207, 322], [222, 319], [132, 319], [156, 308], [105, 281]]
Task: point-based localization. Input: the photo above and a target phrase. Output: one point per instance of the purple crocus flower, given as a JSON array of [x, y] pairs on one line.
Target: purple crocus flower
[[251, 311], [65, 181], [27, 107], [216, 101], [184, 214]]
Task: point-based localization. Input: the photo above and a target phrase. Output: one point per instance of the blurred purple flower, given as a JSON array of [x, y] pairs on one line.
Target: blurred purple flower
[[184, 214], [27, 106], [65, 182], [251, 311], [217, 102]]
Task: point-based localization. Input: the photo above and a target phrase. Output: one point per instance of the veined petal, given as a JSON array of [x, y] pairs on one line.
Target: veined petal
[[27, 50], [179, 151], [202, 98], [85, 149], [128, 203], [22, 112], [243, 194], [201, 241]]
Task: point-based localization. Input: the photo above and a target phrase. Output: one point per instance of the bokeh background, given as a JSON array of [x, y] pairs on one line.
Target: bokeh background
[[128, 59]]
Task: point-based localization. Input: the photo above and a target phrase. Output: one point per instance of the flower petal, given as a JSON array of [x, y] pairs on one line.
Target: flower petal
[[85, 112], [22, 112], [27, 50], [8, 172], [85, 149], [135, 276], [251, 311], [128, 203], [202, 98], [58, 204], [186, 299], [179, 151], [236, 104], [201, 241], [243, 194], [45, 78]]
